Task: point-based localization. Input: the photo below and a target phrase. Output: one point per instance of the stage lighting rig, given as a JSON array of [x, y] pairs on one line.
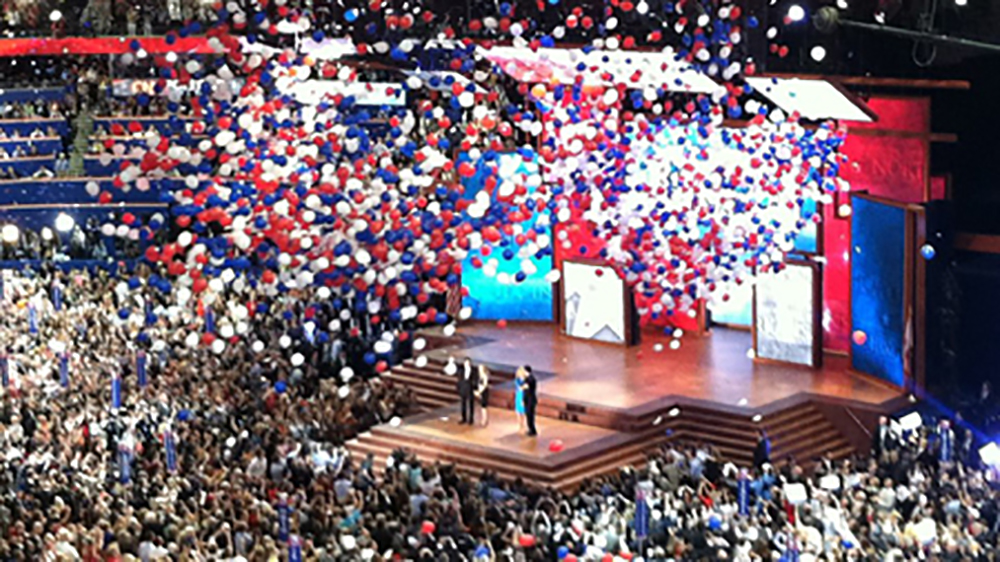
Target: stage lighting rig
[[827, 20]]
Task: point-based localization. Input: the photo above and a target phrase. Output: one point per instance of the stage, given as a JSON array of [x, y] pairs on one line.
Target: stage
[[713, 369], [607, 405]]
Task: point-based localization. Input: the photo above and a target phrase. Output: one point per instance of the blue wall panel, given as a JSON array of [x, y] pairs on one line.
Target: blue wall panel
[[878, 259], [530, 299]]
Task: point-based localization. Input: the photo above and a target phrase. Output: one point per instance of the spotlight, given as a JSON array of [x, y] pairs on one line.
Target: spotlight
[[55, 16], [10, 233], [46, 233], [818, 53], [64, 222], [961, 2], [842, 4], [796, 13]]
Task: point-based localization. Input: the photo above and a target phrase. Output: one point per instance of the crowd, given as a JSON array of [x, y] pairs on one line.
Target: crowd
[[137, 423]]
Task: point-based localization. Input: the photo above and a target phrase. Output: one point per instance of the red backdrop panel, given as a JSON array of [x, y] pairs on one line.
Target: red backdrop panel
[[889, 167], [836, 281], [898, 114]]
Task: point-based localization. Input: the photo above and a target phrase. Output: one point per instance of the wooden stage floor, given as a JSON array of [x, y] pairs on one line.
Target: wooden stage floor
[[712, 369]]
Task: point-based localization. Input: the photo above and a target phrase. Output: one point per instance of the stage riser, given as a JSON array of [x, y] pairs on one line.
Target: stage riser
[[476, 462], [640, 443]]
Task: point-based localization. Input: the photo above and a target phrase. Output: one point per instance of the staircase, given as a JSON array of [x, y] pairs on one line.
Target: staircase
[[433, 388], [801, 431], [564, 472]]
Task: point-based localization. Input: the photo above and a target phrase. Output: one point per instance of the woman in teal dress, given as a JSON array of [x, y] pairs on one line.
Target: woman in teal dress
[[519, 397]]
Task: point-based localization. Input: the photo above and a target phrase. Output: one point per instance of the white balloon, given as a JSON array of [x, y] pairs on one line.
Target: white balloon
[[192, 340], [285, 341], [218, 346], [257, 346], [346, 374], [420, 362], [298, 359]]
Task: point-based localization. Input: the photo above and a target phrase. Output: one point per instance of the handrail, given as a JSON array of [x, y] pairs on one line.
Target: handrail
[[857, 421]]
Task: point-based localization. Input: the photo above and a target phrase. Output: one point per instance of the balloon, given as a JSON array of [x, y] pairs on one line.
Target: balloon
[[428, 528], [928, 251], [556, 445], [859, 337], [297, 359], [280, 387]]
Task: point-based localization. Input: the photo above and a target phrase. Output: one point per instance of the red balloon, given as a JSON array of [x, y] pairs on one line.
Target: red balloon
[[501, 324], [556, 445], [527, 541], [199, 285], [859, 337], [428, 528]]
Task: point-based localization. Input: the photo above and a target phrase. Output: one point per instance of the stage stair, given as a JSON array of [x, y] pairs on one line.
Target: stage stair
[[564, 474], [432, 387]]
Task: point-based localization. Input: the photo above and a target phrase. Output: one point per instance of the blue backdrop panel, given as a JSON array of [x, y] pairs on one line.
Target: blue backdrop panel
[[45, 145], [71, 191], [25, 167], [27, 126], [488, 298], [878, 258]]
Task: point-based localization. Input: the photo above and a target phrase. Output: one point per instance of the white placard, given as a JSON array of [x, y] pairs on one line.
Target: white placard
[[593, 301], [784, 317]]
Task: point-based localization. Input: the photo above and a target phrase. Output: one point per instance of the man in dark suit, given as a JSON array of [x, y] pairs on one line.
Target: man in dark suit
[[466, 390], [530, 389], [762, 452], [882, 439]]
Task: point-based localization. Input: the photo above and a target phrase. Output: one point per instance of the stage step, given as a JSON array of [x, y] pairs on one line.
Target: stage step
[[381, 441], [431, 387], [801, 432]]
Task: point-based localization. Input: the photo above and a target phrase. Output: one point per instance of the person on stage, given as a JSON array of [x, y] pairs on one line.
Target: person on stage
[[530, 399], [519, 377], [466, 387], [483, 394]]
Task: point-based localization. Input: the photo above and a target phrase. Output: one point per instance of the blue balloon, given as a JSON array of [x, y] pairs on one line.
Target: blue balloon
[[562, 552], [370, 358], [351, 15], [928, 251], [280, 387]]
